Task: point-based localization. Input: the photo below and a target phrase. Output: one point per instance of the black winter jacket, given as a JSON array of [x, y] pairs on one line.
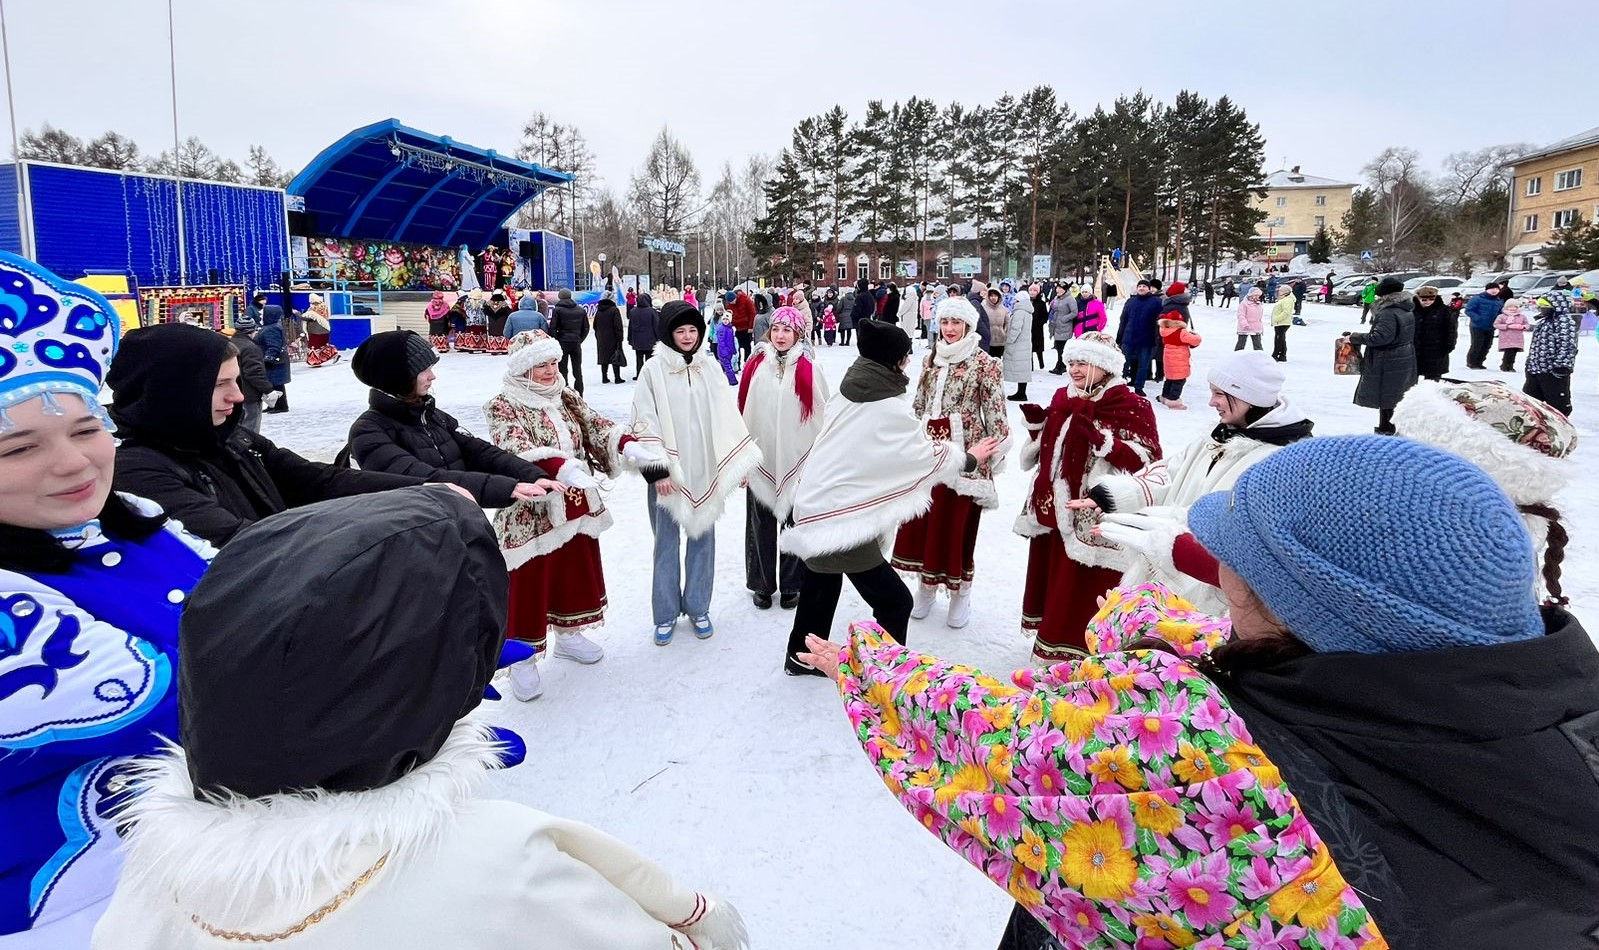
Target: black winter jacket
[[216, 479], [1437, 331], [1389, 368], [253, 380], [642, 324], [218, 493], [607, 331], [1457, 788], [420, 440], [569, 323]]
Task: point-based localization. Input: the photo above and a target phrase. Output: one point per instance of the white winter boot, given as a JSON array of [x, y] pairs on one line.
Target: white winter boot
[[525, 683], [960, 607], [578, 648], [922, 605]]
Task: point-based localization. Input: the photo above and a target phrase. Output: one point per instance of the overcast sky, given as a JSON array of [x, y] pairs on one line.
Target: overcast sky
[[1330, 83]]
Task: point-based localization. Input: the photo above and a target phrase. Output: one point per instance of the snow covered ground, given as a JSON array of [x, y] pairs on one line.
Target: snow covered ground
[[746, 782]]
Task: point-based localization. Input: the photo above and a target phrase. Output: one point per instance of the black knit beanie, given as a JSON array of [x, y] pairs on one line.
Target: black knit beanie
[[1389, 285], [392, 360], [883, 342]]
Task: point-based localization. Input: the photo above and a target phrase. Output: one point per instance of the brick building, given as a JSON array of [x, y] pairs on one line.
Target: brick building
[[1549, 189], [1296, 205]]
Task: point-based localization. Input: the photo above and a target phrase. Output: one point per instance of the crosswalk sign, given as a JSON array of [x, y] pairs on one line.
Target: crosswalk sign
[[1365, 255]]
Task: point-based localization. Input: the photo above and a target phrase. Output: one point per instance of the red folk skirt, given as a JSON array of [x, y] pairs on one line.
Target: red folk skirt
[[1060, 598], [564, 589], [938, 545]]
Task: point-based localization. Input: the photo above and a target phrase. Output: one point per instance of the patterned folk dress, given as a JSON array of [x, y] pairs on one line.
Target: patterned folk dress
[[1079, 439], [962, 402], [552, 544], [1118, 799]]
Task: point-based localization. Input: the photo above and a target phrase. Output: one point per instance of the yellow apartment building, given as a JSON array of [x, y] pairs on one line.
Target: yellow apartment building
[[1296, 205], [1549, 189]]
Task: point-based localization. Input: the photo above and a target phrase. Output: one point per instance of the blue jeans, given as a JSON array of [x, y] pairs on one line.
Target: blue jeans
[[672, 594], [1141, 359]]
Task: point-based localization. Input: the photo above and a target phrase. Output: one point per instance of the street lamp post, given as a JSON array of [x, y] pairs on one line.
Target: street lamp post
[[603, 282]]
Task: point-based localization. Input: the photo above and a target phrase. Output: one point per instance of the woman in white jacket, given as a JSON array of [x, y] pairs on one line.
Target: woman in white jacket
[[327, 796], [783, 398], [684, 412], [872, 469], [1017, 361], [1146, 512]]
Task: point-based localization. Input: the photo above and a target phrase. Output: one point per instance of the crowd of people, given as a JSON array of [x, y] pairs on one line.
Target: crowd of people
[[1259, 714]]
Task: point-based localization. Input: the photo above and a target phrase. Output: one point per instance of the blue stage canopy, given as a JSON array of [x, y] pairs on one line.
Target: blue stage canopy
[[392, 183]]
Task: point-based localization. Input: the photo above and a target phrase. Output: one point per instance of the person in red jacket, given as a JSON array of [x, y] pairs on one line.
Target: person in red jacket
[[742, 306]]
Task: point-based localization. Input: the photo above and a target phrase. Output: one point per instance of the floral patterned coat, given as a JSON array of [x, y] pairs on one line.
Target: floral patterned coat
[[1118, 798], [969, 407], [566, 428]]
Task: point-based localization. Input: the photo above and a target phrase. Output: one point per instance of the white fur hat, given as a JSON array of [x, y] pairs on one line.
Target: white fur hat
[[959, 308], [1519, 441], [1095, 349], [530, 348], [1253, 377]]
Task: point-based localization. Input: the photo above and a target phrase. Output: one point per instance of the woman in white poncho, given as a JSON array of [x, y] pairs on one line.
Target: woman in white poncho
[[684, 412], [872, 469], [781, 397], [552, 543]]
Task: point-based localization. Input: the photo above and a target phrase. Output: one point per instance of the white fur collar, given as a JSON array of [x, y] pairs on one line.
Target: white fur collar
[[225, 856]]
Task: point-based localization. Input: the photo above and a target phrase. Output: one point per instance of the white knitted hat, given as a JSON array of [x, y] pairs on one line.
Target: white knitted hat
[[1095, 349], [959, 308], [530, 348], [1252, 377]]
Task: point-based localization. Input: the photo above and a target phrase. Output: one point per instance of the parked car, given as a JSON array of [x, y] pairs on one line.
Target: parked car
[[1476, 285], [1350, 293], [1535, 281], [1343, 285], [1440, 281]]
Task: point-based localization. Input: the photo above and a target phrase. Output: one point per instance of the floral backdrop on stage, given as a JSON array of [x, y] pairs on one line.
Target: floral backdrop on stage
[[395, 266]]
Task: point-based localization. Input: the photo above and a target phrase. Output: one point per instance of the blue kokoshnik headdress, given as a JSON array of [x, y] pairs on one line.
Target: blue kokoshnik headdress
[[55, 337]]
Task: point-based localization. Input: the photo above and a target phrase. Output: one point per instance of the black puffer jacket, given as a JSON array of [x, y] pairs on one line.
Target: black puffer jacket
[[642, 321], [863, 307], [214, 479], [569, 323], [1459, 788], [420, 440]]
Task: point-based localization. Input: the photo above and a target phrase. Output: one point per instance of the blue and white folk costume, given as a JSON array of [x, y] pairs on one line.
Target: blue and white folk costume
[[88, 654]]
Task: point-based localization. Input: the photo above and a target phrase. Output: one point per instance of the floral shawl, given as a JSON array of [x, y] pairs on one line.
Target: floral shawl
[[1118, 798], [964, 402], [566, 428]]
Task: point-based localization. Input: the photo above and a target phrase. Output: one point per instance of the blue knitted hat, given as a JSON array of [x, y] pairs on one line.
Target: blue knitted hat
[[1369, 544]]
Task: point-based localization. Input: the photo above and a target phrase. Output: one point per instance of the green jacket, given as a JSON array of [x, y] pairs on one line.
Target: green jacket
[[1368, 294]]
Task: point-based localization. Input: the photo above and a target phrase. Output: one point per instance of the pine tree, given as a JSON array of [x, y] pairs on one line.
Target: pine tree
[[1575, 247], [1358, 230], [1320, 247]]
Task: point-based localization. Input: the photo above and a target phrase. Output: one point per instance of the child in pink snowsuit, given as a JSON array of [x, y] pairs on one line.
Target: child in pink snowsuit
[[829, 325]]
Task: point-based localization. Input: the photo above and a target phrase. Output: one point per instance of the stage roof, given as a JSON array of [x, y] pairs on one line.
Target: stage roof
[[388, 182]]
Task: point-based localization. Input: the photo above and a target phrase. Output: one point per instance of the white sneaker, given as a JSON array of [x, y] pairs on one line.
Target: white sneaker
[[960, 608], [525, 683], [575, 646], [923, 604]]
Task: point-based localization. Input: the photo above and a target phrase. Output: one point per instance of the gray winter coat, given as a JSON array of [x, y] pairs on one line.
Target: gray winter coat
[[1388, 369], [1062, 317], [1017, 364]]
